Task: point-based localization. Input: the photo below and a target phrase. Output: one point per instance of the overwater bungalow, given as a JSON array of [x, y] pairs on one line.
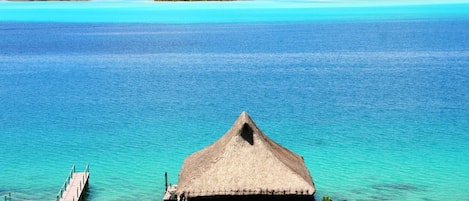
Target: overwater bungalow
[[245, 164]]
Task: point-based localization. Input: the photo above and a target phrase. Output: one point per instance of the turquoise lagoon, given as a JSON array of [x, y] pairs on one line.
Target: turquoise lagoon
[[229, 12], [373, 95]]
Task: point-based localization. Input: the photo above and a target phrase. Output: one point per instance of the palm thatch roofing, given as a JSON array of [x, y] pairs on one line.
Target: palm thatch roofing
[[244, 162]]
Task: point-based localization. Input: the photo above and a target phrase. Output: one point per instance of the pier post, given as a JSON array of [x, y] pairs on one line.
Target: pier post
[[166, 180]]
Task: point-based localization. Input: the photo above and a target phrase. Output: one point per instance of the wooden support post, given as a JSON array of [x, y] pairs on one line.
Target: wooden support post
[[166, 179]]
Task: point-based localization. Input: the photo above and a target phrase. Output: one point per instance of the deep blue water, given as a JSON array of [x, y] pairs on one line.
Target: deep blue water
[[379, 110]]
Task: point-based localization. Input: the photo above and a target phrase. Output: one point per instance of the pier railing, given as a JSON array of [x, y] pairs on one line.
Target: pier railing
[[87, 168], [68, 187], [8, 198], [83, 181], [66, 183]]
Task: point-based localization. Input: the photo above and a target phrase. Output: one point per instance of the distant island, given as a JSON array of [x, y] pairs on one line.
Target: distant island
[[48, 0], [89, 0], [194, 0]]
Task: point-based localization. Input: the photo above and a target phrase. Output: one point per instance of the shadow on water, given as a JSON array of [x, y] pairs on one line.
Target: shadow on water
[[87, 196], [428, 199], [384, 191], [396, 187], [389, 191]]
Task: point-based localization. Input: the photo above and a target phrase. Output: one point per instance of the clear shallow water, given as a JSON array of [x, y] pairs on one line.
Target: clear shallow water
[[230, 12], [379, 110]]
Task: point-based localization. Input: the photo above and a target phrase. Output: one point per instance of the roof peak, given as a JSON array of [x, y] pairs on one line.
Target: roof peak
[[244, 118]]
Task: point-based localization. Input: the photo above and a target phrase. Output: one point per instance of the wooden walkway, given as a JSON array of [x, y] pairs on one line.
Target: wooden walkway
[[74, 186], [170, 190]]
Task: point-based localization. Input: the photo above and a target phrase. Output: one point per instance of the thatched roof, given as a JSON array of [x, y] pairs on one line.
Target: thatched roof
[[244, 162]]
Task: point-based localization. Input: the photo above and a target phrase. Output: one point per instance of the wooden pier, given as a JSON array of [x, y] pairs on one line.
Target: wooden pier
[[170, 193], [74, 186]]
